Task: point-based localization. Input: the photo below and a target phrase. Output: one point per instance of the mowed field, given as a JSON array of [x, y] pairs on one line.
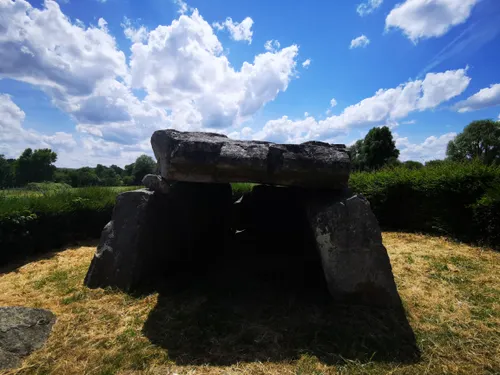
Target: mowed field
[[451, 293]]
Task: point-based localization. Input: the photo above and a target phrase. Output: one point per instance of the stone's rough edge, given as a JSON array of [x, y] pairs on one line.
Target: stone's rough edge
[[156, 183], [179, 136], [211, 157]]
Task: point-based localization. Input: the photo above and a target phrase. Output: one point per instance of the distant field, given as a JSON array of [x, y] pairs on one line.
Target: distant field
[[13, 193], [451, 292], [24, 199], [238, 188]]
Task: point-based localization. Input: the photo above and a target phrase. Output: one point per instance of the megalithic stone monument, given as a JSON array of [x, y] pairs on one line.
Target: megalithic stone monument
[[189, 206]]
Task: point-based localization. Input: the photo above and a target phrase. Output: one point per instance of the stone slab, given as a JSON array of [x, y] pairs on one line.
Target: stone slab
[[210, 157]]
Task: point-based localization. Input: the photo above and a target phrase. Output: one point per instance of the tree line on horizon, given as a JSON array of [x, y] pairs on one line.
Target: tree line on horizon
[[38, 166], [479, 140]]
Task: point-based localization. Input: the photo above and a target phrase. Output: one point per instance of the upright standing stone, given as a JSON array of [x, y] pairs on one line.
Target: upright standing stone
[[128, 241], [355, 262], [150, 232], [209, 157]]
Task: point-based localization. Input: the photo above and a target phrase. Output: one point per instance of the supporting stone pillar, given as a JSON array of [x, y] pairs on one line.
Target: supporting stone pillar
[[127, 242], [149, 231], [355, 262]]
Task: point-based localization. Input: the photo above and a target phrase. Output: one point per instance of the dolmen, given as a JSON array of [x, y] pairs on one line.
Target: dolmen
[[187, 214]]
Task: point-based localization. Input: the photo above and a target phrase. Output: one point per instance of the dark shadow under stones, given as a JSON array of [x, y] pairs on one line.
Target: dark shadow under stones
[[266, 299]]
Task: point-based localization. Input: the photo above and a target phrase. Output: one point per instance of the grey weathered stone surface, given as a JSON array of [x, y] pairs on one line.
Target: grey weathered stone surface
[[156, 183], [150, 231], [355, 262], [22, 331], [209, 157], [125, 243]]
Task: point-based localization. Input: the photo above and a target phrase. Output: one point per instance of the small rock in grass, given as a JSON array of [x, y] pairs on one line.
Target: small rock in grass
[[22, 331]]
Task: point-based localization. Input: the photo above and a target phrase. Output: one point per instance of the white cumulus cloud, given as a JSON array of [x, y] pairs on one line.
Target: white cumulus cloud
[[272, 45], [197, 83], [409, 122], [368, 7], [238, 31], [42, 47], [188, 82], [14, 138], [386, 107], [183, 7], [333, 103], [432, 148], [135, 34], [420, 19], [484, 98], [360, 41], [439, 86], [306, 63]]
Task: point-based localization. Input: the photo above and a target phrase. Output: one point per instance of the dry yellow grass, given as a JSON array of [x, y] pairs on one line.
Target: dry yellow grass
[[451, 293]]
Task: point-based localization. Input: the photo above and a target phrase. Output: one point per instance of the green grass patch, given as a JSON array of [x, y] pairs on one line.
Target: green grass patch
[[239, 188]]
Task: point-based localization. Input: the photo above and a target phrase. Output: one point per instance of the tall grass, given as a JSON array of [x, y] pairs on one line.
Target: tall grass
[[12, 201]]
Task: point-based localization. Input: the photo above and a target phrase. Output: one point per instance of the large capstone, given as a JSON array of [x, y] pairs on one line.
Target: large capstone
[[22, 331], [209, 157], [150, 233], [355, 262]]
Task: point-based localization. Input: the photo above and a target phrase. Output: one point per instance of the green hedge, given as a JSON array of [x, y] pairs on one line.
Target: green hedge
[[40, 222], [457, 200], [461, 200]]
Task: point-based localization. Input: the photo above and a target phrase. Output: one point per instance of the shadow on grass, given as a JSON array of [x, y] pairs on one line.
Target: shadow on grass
[[15, 264], [236, 313]]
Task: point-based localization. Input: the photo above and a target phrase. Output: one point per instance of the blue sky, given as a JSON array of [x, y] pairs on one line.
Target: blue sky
[[92, 79]]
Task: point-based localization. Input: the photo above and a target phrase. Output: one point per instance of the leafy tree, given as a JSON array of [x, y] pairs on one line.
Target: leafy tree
[[392, 163], [84, 177], [128, 180], [110, 178], [100, 170], [379, 148], [376, 150], [143, 165], [410, 164], [129, 169], [356, 156], [6, 172], [119, 171], [479, 140], [35, 166], [62, 175]]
